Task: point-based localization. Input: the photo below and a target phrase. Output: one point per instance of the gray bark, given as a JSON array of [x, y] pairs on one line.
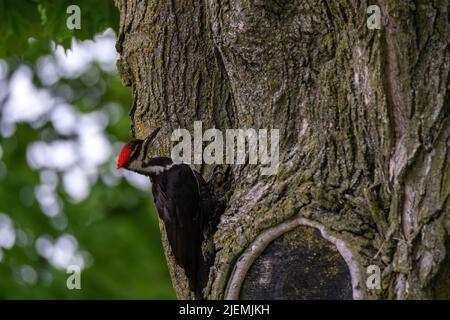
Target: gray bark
[[364, 127]]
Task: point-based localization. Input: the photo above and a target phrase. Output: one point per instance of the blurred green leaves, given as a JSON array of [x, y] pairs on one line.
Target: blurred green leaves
[[115, 227], [27, 27]]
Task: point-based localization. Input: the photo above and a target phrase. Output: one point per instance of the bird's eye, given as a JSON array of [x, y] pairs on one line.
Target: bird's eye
[[136, 148]]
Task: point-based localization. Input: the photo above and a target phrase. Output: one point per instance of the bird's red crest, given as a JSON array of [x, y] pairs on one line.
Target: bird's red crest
[[124, 156]]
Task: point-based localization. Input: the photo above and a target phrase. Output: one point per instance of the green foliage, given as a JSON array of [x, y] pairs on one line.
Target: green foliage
[[28, 27], [115, 226]]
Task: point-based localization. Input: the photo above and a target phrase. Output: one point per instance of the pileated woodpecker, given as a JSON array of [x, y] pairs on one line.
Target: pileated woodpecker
[[184, 203]]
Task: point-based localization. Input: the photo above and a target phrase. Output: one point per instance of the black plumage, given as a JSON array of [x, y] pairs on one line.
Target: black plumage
[[186, 205]]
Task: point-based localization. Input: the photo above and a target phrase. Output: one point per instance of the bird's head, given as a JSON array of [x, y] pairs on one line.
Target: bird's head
[[135, 152]]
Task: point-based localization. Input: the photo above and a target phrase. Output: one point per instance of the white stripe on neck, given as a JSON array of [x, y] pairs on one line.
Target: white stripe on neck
[[159, 169]]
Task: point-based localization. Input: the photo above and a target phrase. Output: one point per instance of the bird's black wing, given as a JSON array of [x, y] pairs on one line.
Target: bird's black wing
[[177, 200]]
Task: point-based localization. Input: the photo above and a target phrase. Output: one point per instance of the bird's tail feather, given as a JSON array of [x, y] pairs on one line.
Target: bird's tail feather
[[199, 280]]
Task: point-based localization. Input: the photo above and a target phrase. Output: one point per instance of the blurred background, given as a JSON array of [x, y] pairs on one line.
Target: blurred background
[[63, 120]]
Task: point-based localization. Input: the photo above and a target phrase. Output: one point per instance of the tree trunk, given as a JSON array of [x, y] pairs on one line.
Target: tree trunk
[[364, 176]]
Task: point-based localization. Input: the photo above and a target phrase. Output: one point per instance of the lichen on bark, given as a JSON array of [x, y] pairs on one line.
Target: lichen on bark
[[363, 118]]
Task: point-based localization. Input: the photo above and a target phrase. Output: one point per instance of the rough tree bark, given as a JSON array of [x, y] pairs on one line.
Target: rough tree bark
[[364, 176]]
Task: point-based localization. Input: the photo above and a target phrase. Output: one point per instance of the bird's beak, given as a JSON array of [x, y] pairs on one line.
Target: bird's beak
[[148, 140], [152, 136]]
